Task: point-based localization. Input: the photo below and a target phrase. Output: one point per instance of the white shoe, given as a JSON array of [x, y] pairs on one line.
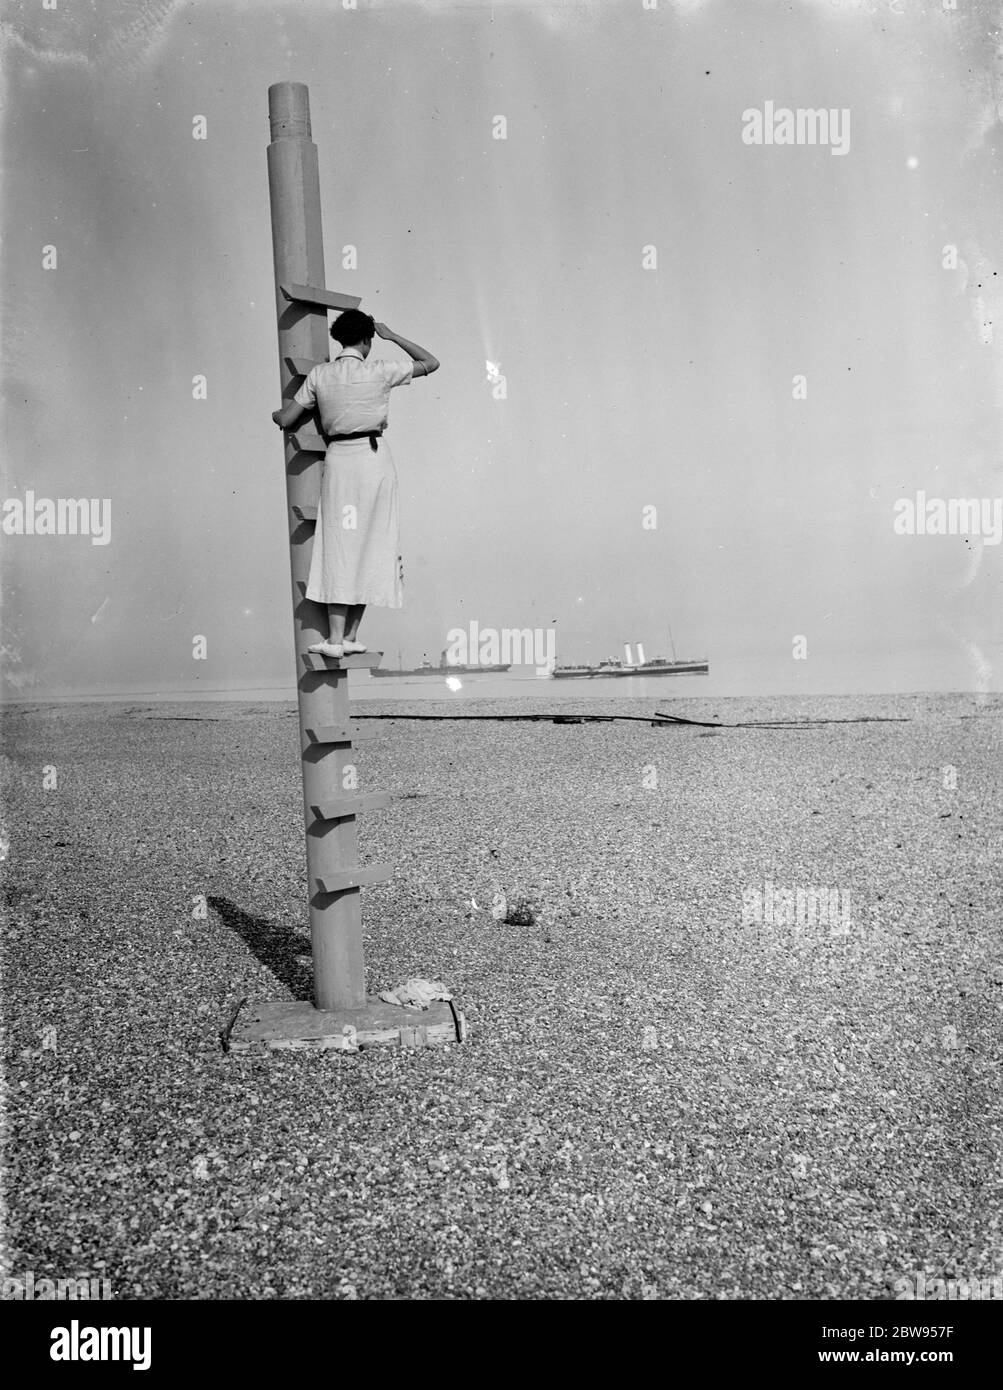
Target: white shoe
[[333, 650], [353, 648]]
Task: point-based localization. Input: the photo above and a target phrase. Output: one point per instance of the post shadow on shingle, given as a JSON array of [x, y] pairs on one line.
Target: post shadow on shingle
[[277, 947]]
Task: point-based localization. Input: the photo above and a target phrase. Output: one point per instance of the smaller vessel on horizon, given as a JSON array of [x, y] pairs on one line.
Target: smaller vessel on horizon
[[444, 668]]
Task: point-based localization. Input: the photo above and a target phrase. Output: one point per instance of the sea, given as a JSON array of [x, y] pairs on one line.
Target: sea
[[839, 674]]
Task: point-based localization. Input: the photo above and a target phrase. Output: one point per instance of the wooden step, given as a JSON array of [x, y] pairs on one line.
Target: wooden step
[[343, 806], [313, 661], [321, 299], [306, 513], [309, 443], [338, 880], [300, 366], [339, 733]]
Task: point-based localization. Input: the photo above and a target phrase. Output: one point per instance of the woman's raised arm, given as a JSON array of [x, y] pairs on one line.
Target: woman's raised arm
[[419, 355]]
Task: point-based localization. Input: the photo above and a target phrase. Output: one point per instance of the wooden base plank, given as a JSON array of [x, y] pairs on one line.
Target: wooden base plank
[[340, 880], [294, 1024]]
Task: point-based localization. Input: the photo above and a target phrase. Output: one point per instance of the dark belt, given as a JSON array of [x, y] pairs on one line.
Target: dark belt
[[371, 435]]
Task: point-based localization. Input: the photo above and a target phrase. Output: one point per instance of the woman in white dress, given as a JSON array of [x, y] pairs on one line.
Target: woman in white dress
[[356, 556]]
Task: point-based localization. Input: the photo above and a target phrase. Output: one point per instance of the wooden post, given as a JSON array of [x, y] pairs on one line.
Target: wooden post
[[331, 846], [344, 1017]]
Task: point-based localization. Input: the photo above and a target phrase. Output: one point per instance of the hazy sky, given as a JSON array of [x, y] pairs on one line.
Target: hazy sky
[[627, 387]]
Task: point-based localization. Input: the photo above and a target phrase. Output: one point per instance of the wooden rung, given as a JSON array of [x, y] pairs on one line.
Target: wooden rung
[[323, 299], [344, 806], [339, 733], [307, 442], [313, 661], [301, 365], [306, 513], [340, 879]]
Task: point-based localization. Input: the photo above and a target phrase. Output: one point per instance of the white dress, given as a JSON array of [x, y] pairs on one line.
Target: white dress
[[356, 546]]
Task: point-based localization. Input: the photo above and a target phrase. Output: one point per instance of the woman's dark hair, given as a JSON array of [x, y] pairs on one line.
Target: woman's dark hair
[[353, 326]]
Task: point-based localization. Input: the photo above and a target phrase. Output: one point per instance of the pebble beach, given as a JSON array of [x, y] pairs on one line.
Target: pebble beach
[[672, 1088]]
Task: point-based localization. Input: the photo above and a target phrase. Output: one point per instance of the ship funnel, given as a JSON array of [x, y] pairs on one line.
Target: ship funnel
[[640, 655], [630, 659]]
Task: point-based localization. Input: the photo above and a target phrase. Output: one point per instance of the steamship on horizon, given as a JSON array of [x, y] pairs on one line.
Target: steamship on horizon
[[613, 666]]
